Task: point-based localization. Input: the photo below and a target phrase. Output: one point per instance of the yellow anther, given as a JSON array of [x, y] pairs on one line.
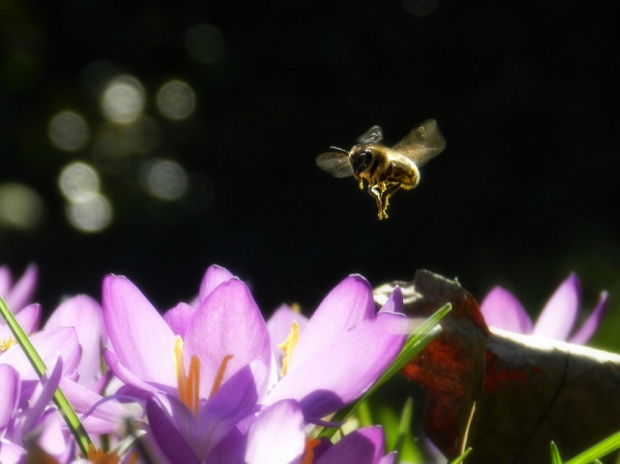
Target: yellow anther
[[6, 344], [289, 346], [220, 374], [295, 307], [188, 385]]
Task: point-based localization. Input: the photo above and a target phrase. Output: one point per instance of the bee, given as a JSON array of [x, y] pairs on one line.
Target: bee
[[387, 170]]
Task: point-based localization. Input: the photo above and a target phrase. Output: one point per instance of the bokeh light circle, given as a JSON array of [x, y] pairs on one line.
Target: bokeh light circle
[[68, 130], [176, 100], [123, 99], [165, 179], [21, 207], [91, 215], [78, 181]]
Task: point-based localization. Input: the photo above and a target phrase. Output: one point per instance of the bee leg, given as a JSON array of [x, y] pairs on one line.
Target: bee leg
[[382, 193]]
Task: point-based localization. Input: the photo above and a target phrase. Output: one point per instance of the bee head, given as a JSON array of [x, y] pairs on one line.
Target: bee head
[[360, 159]]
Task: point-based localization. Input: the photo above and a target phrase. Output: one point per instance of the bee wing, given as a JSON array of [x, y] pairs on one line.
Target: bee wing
[[421, 144], [336, 164], [372, 135]]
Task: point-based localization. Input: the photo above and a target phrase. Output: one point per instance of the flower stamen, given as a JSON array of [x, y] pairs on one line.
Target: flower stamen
[[289, 346], [6, 344], [220, 374], [99, 456], [188, 385], [308, 456]]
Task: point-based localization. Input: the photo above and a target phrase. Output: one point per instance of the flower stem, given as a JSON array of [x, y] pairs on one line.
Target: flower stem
[[67, 412]]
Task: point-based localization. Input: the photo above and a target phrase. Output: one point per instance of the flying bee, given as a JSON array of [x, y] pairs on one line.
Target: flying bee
[[386, 170]]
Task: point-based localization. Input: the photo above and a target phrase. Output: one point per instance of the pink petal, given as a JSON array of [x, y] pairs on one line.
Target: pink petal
[[50, 344], [214, 276], [349, 303], [9, 379], [21, 293], [103, 416], [141, 338], [85, 315], [588, 328], [28, 319], [179, 317], [39, 403], [277, 435], [6, 279], [228, 322], [501, 309], [558, 316], [394, 303], [344, 367], [363, 446], [167, 436]]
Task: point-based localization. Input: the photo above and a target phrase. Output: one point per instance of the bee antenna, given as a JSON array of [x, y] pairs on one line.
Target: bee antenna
[[341, 150]]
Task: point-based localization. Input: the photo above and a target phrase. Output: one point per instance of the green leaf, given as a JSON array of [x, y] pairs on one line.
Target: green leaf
[[403, 426], [599, 450], [460, 459], [67, 412], [555, 454]]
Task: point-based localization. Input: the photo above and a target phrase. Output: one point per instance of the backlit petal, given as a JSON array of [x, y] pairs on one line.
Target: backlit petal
[[503, 310], [558, 316], [141, 338]]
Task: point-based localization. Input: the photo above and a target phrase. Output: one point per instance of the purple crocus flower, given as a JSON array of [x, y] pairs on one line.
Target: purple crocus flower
[[343, 349], [26, 412], [202, 404], [214, 361], [501, 309]]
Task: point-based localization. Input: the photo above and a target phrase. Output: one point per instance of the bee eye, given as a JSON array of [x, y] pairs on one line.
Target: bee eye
[[361, 160]]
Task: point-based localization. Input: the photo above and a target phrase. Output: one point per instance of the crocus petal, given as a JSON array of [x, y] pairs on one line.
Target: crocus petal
[[52, 440], [363, 446], [141, 338], [50, 344], [106, 417], [169, 439], [85, 315], [9, 379], [28, 319], [558, 316], [590, 325], [137, 386], [214, 276], [21, 293], [341, 369], [229, 450], [11, 453], [394, 303], [5, 281], [277, 435], [178, 318], [50, 383], [228, 322], [233, 402], [389, 458], [346, 305], [503, 310], [217, 417]]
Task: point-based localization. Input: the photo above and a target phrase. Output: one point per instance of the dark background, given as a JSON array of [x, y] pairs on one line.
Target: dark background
[[524, 92]]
